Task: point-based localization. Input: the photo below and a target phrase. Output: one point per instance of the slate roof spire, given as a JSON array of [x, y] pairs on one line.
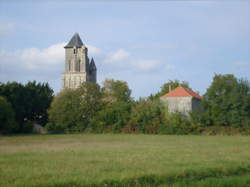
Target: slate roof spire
[[75, 41], [92, 65]]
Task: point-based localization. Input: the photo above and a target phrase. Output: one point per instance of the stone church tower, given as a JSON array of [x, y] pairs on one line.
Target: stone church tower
[[78, 68]]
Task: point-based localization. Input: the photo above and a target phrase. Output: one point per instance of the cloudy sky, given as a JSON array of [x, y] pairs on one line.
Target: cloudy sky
[[145, 43]]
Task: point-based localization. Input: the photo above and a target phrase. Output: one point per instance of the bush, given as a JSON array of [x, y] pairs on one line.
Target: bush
[[177, 123], [146, 117], [221, 130], [112, 118]]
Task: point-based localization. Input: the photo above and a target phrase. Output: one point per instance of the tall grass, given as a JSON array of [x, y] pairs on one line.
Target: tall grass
[[121, 160]]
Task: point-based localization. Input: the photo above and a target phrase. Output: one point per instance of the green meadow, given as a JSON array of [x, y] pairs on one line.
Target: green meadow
[[124, 160]]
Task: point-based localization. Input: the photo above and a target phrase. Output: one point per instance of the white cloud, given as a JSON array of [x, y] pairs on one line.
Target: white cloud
[[35, 58], [117, 57], [123, 59]]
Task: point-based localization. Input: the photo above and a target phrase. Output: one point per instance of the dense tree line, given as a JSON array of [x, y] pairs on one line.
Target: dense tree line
[[24, 105], [111, 109]]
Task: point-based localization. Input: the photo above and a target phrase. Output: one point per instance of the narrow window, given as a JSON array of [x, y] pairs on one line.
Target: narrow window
[[74, 51], [69, 66]]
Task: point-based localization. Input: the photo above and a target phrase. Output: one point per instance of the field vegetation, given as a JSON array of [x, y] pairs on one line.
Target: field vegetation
[[124, 160]]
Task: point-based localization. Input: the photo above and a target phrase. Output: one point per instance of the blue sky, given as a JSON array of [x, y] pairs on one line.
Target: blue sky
[[145, 43]]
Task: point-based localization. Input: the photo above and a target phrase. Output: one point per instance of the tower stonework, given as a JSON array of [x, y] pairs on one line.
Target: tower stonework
[[78, 69]]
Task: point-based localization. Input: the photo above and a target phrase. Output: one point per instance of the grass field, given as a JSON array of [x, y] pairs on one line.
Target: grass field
[[124, 160]]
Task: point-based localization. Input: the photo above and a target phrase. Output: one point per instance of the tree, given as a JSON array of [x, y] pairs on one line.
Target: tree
[[72, 109], [15, 94], [227, 101], [40, 97], [30, 102], [7, 117], [116, 90]]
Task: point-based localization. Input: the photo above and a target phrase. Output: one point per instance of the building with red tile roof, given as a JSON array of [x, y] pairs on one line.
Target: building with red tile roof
[[182, 100]]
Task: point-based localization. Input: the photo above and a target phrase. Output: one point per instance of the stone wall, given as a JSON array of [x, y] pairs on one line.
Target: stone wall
[[184, 105], [73, 79]]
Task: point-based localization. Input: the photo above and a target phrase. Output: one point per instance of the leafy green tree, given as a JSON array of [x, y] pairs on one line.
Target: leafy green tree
[[40, 97], [30, 102], [7, 117], [72, 109], [116, 90], [227, 101], [16, 95], [116, 111]]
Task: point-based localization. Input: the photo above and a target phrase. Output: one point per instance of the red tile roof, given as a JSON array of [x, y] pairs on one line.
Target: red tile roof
[[182, 92]]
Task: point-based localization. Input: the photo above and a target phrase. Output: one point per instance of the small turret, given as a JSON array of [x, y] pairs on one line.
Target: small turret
[[92, 71], [92, 66]]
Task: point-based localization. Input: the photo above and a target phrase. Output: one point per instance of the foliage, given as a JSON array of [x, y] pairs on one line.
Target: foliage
[[222, 130], [40, 97], [178, 123], [116, 112], [112, 118], [72, 109], [112, 109], [116, 90], [7, 117], [30, 102], [146, 117], [227, 102]]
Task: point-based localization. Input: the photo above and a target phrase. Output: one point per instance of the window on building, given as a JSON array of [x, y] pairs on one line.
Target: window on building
[[74, 51]]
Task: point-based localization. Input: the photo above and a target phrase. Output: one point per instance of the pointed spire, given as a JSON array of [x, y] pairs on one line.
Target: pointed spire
[[92, 65], [75, 41]]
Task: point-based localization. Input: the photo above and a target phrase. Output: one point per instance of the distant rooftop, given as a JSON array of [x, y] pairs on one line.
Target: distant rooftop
[[182, 92], [75, 41]]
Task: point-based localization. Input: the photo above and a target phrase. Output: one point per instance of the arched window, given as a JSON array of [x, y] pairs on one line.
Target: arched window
[[74, 51]]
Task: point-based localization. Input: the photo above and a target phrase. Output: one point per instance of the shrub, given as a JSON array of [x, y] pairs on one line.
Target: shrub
[[112, 118], [146, 117], [177, 123]]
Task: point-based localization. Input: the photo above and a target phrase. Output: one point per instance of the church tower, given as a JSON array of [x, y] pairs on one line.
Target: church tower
[[78, 69]]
